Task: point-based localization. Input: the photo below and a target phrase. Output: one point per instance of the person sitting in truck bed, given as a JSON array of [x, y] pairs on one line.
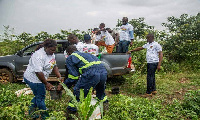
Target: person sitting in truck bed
[[88, 47], [73, 40]]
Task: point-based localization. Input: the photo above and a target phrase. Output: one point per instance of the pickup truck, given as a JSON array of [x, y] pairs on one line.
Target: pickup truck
[[12, 67]]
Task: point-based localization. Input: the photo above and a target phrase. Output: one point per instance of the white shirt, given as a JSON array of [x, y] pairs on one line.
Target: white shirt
[[124, 32], [152, 54], [91, 48], [79, 46], [107, 38], [39, 62], [97, 37]]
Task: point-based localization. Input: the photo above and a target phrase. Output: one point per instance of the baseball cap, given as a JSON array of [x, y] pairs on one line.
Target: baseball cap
[[87, 37]]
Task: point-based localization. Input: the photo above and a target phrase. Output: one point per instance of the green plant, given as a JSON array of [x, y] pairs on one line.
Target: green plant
[[192, 101], [84, 108]]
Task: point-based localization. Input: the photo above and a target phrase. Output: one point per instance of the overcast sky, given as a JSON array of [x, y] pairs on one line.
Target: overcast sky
[[34, 16]]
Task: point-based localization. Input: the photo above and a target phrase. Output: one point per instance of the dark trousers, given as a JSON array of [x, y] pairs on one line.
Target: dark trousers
[[151, 85], [123, 46], [96, 80], [38, 100], [94, 77]]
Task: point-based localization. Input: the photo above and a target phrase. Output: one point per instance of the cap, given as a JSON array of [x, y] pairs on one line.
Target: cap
[[87, 37]]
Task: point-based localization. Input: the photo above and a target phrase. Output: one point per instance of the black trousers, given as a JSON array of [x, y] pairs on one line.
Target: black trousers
[[151, 85]]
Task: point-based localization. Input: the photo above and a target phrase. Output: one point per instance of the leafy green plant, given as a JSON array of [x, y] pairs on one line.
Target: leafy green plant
[[84, 108], [126, 108], [57, 115], [192, 101]]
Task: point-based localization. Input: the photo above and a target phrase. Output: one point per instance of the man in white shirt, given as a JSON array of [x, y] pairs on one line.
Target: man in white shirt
[[126, 35], [100, 40], [115, 34], [105, 39], [95, 35], [73, 40], [88, 47], [154, 58], [41, 64], [109, 41]]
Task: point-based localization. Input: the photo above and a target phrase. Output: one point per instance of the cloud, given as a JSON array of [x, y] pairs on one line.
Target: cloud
[[51, 16], [124, 13], [92, 13]]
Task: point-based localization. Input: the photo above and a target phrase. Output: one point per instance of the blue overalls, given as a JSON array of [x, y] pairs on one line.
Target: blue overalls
[[86, 71]]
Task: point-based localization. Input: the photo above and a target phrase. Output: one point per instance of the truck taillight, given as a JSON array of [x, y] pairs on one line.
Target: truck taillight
[[129, 62]]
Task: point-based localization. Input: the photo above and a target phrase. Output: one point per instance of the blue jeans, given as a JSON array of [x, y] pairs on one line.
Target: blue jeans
[[39, 91], [123, 46], [151, 85]]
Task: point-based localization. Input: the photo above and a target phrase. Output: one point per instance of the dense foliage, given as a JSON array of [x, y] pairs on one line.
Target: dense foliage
[[182, 43], [181, 101]]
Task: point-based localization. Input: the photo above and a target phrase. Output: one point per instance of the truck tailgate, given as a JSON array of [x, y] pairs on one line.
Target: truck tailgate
[[117, 62]]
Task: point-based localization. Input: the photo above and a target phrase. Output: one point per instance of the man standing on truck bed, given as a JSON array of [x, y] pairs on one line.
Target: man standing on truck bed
[[126, 35], [92, 71], [105, 39], [154, 58]]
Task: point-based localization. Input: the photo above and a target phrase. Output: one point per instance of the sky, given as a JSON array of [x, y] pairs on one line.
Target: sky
[[34, 16]]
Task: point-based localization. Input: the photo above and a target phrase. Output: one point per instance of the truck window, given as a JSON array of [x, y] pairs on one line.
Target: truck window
[[29, 50], [59, 48]]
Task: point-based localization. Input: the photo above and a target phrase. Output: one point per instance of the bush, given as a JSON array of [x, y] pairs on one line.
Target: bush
[[126, 108], [192, 101]]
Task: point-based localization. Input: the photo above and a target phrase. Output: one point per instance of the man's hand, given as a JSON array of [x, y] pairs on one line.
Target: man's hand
[[59, 87], [129, 52], [131, 44], [159, 68], [61, 79], [49, 86], [102, 29]]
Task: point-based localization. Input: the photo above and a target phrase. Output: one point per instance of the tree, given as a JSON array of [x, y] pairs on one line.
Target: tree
[[182, 44]]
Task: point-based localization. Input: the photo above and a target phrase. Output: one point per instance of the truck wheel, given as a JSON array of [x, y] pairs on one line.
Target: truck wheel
[[6, 76]]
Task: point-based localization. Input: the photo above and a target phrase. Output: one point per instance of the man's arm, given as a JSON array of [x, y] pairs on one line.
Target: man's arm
[[116, 38], [136, 49], [132, 37], [41, 77], [160, 60], [57, 73], [73, 71]]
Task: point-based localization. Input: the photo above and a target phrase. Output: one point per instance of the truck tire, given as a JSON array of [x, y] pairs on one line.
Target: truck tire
[[6, 75]]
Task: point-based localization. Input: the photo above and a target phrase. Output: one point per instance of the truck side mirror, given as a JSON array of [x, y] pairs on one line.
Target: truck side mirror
[[20, 53]]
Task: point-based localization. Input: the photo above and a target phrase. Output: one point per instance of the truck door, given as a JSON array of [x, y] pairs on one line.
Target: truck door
[[21, 62]]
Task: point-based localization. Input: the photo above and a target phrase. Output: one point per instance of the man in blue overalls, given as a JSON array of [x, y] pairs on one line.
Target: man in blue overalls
[[85, 71]]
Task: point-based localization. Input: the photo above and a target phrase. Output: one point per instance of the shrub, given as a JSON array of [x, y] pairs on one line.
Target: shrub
[[192, 101]]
